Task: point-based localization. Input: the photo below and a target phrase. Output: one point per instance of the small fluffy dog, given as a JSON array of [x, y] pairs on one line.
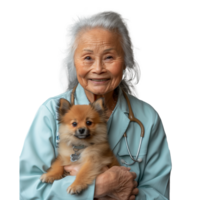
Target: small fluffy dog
[[83, 140]]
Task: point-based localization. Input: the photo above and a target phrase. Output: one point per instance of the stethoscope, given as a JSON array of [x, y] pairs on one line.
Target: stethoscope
[[132, 119]]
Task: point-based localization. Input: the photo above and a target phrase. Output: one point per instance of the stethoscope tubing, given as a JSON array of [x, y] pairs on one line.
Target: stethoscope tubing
[[133, 119], [136, 158]]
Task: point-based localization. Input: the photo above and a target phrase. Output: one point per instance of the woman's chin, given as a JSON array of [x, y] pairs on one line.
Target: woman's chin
[[100, 93], [99, 90]]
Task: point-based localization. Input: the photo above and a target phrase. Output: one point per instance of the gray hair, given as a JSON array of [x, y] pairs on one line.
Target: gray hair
[[111, 21]]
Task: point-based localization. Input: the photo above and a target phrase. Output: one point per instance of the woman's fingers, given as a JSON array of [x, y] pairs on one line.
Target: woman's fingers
[[135, 183], [72, 169], [135, 191], [134, 175], [125, 168], [68, 168]]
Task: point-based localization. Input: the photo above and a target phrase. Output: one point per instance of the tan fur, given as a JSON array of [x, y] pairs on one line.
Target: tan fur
[[94, 157]]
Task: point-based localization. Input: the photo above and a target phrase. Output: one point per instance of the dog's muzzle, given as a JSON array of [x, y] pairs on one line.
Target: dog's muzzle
[[82, 133]]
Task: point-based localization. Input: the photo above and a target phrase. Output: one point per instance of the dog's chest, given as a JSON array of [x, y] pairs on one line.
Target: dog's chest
[[69, 153]]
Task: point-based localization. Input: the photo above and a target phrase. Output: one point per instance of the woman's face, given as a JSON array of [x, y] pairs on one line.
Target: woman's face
[[99, 60]]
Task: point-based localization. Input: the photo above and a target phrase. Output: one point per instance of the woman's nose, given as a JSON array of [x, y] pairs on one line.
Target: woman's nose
[[98, 67]]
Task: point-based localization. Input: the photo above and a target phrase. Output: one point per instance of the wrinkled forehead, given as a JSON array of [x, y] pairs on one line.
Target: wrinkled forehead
[[98, 38], [85, 29]]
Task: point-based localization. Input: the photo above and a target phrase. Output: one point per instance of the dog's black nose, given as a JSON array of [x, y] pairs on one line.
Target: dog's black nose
[[81, 130]]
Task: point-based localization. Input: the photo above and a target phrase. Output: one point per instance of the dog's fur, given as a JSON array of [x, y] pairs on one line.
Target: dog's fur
[[96, 155]]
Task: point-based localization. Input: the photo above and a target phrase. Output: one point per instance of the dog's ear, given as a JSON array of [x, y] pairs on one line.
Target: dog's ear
[[62, 108], [99, 105]]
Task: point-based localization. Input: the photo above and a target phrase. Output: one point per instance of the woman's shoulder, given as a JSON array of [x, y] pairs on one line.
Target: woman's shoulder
[[148, 115], [143, 110], [55, 99], [51, 103]]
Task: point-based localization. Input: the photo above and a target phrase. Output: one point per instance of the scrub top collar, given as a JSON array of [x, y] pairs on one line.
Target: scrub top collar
[[81, 99]]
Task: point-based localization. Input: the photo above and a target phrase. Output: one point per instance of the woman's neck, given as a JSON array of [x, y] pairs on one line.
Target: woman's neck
[[110, 100]]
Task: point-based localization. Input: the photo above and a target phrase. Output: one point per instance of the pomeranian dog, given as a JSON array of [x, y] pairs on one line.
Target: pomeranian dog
[[83, 140]]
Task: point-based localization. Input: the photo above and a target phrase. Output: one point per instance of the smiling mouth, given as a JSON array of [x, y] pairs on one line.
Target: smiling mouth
[[99, 80]]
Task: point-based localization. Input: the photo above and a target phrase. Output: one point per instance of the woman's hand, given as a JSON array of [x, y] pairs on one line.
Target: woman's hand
[[72, 169], [114, 183], [122, 186]]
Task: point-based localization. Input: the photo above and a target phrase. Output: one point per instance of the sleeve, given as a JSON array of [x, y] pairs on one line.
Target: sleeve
[[36, 157], [154, 184]]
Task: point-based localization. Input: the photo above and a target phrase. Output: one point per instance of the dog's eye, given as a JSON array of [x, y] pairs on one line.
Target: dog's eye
[[88, 123], [74, 124]]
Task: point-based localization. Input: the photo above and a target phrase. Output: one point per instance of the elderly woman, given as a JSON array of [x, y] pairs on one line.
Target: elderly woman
[[99, 60]]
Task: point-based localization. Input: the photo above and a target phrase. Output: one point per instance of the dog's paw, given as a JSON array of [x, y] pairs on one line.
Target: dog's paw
[[76, 188], [46, 178]]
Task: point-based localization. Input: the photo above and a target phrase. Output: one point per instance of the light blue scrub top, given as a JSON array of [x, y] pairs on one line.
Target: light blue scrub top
[[40, 150]]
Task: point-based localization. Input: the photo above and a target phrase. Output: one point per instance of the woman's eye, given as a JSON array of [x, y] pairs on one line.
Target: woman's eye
[[87, 58], [109, 57], [74, 124], [88, 123]]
